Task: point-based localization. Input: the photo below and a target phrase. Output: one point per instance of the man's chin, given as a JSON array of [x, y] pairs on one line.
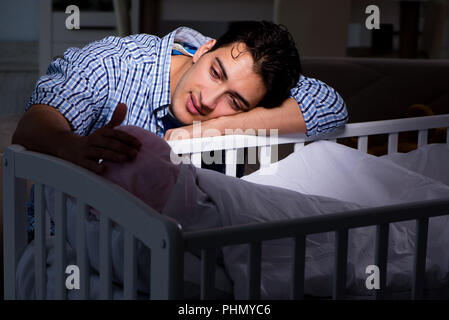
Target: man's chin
[[181, 118], [186, 118]]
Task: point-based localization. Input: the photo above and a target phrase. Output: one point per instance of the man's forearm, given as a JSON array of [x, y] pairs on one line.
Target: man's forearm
[[43, 129], [286, 118]]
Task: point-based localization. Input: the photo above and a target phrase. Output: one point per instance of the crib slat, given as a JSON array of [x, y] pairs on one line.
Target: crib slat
[[81, 249], [420, 258], [297, 288], [14, 220], [254, 260], [105, 258], [130, 268], [393, 142], [422, 138], [231, 162], [341, 257], [208, 274], [184, 158], [274, 153], [382, 233], [265, 156], [60, 245], [298, 146], [252, 155], [242, 156], [362, 143], [39, 236], [195, 158]]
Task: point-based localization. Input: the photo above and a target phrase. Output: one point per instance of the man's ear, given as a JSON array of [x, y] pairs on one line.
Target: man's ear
[[203, 49]]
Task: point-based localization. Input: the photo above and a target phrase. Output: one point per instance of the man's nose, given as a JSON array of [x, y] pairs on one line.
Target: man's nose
[[209, 99]]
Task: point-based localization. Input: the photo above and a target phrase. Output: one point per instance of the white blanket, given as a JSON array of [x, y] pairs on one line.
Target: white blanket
[[328, 178], [332, 170]]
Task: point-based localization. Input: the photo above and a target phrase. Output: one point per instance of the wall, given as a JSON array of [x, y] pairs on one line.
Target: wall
[[210, 17], [320, 27], [19, 20]]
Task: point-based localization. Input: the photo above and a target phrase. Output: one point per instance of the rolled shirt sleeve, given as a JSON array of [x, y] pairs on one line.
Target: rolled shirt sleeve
[[78, 95], [322, 107], [78, 86]]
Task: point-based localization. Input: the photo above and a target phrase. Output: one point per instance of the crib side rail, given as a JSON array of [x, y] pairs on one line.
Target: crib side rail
[[192, 149], [361, 129], [340, 223], [316, 224], [159, 233]]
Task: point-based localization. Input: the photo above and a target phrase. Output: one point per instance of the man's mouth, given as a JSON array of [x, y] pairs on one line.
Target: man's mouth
[[192, 105]]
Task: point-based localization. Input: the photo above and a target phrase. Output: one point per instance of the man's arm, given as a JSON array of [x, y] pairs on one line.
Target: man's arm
[[286, 118], [323, 109], [69, 102], [44, 129], [313, 108]]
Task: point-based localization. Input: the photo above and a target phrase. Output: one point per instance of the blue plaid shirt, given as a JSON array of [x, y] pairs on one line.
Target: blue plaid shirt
[[88, 83]]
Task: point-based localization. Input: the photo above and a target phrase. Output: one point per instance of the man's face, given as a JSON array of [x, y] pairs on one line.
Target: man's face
[[219, 83]]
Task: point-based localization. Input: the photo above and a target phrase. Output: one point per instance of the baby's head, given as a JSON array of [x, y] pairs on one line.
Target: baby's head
[[151, 175]]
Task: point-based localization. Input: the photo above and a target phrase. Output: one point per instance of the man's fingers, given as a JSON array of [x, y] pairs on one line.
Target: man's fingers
[[167, 134], [179, 133], [123, 137], [109, 143], [118, 116]]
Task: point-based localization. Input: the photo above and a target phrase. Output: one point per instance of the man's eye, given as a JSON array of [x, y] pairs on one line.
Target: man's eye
[[214, 73], [235, 105]]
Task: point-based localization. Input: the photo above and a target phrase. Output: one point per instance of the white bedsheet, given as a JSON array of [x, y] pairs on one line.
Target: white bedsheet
[[323, 177]]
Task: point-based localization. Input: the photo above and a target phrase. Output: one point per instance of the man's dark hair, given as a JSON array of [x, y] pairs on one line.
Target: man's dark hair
[[276, 58]]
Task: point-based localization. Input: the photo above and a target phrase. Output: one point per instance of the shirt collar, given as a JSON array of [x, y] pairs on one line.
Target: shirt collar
[[161, 98]]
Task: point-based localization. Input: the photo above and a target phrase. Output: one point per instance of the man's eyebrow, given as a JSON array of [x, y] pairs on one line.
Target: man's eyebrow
[[222, 68], [242, 99], [245, 102]]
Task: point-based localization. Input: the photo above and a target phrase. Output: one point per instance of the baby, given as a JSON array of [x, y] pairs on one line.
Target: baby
[[151, 175]]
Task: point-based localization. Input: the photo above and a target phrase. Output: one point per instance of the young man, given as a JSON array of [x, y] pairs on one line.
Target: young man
[[250, 78]]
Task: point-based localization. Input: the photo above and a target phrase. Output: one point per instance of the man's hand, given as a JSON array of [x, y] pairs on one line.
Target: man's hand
[[105, 143], [200, 129], [180, 133]]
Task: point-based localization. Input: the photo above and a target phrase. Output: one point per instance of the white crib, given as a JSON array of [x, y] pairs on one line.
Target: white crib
[[165, 239]]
